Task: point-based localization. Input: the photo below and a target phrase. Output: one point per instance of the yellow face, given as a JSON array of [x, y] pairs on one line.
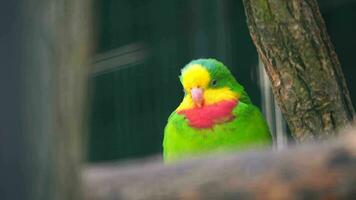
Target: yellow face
[[197, 76]]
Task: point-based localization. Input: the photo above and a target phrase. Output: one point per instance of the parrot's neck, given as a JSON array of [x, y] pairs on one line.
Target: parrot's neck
[[209, 115]]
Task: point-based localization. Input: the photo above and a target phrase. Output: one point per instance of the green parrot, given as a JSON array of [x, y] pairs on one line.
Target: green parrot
[[215, 114]]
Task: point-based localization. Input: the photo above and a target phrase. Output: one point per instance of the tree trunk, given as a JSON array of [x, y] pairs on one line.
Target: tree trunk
[[296, 173], [43, 53], [305, 73]]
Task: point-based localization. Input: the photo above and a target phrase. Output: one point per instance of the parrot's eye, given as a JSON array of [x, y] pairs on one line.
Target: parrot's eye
[[214, 82]]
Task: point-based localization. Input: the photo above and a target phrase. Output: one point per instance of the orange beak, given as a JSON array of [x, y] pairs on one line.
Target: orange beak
[[197, 96]]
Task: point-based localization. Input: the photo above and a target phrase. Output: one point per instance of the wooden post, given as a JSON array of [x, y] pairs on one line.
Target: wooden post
[[305, 73], [43, 52]]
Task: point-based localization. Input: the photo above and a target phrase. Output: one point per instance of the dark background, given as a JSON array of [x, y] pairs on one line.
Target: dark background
[[141, 47]]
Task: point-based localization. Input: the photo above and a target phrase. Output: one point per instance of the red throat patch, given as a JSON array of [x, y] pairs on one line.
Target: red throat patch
[[208, 116]]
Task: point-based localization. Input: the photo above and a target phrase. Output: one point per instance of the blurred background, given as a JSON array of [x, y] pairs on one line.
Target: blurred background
[[140, 47]]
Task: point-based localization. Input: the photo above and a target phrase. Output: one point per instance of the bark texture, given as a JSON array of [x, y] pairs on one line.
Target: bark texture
[[296, 173], [304, 70]]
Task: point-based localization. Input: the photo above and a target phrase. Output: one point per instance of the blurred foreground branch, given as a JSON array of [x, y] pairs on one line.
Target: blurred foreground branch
[[44, 53], [314, 171]]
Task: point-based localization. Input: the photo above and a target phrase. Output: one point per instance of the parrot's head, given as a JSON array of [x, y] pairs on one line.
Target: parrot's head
[[208, 82]]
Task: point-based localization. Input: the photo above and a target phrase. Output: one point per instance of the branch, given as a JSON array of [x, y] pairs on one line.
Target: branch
[[305, 73], [313, 171]]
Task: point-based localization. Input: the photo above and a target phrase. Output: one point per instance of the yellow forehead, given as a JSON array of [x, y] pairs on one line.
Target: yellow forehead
[[195, 76]]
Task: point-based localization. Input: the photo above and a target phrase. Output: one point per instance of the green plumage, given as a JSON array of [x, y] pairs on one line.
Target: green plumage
[[247, 130]]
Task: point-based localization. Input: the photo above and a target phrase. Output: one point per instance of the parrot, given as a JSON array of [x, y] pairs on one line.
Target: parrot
[[215, 115]]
